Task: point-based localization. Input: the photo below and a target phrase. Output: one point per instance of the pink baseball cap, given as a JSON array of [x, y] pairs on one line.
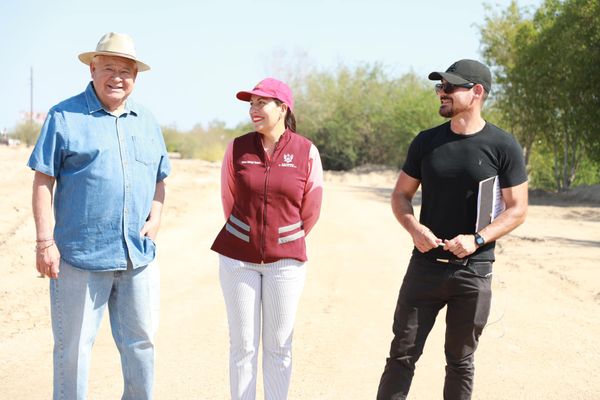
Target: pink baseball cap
[[270, 87]]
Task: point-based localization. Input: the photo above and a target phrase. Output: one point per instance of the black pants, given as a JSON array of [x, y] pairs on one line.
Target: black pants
[[427, 287]]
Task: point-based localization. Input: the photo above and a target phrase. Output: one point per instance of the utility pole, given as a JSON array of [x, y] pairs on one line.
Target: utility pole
[[31, 97]]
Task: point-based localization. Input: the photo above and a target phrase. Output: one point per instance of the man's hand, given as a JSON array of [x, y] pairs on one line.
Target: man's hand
[[424, 239], [152, 224], [150, 228], [47, 259], [47, 255], [404, 191], [461, 246]]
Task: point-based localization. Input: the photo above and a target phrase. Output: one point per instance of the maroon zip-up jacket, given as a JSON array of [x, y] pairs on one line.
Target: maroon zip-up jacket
[[265, 224]]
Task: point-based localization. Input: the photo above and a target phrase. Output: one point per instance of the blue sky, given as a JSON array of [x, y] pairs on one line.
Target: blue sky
[[203, 52]]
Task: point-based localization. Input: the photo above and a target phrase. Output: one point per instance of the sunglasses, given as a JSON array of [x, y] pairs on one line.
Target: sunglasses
[[450, 88]]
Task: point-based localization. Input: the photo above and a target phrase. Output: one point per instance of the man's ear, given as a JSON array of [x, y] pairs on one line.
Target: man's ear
[[92, 68], [479, 90]]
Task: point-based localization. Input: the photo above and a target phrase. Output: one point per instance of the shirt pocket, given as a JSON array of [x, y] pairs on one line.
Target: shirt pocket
[[145, 150]]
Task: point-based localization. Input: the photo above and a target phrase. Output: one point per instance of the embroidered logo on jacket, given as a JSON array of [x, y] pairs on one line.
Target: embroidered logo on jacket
[[287, 161]]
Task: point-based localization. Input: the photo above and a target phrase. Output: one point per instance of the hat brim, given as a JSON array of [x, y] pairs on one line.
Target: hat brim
[[86, 58], [450, 77], [246, 96]]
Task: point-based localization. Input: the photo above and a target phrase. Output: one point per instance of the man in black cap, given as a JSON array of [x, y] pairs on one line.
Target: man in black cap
[[451, 264]]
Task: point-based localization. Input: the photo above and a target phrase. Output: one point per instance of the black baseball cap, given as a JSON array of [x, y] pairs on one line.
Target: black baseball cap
[[466, 71]]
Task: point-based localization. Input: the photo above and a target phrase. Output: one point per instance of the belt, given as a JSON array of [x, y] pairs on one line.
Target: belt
[[456, 261], [463, 262]]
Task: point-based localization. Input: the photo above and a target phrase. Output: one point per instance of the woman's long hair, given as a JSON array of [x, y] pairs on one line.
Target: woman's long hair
[[290, 120]]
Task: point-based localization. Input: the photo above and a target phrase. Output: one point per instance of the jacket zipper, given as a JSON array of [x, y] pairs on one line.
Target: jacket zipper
[[265, 196], [264, 216]]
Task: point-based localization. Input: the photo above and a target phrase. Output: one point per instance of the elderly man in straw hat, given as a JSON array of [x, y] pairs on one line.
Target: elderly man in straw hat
[[106, 156]]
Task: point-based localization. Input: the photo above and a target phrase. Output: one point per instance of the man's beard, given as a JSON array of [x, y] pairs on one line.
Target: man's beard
[[449, 109], [446, 112]]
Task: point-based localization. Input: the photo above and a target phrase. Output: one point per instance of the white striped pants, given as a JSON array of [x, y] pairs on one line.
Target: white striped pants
[[248, 287]]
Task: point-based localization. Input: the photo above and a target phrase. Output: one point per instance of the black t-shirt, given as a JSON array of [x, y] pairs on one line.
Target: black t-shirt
[[450, 167]]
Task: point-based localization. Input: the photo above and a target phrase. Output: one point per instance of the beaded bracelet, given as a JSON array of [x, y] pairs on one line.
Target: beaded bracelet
[[39, 249], [44, 240]]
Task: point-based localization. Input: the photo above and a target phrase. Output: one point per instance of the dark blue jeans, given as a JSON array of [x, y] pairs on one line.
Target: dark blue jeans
[[428, 286]]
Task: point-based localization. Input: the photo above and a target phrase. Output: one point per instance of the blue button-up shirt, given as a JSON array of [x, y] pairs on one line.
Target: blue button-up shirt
[[106, 168]]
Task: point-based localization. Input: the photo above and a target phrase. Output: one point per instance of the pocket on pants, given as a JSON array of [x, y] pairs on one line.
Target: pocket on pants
[[482, 269]]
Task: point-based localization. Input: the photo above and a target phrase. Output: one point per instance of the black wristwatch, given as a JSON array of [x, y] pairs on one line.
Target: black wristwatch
[[479, 240]]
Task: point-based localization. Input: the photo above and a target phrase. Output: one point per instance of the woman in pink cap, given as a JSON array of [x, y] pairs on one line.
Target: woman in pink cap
[[271, 188]]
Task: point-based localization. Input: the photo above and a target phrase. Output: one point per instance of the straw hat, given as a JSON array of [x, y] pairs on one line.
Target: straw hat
[[116, 45]]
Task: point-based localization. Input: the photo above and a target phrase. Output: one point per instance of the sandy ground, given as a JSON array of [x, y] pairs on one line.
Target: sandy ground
[[542, 342]]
